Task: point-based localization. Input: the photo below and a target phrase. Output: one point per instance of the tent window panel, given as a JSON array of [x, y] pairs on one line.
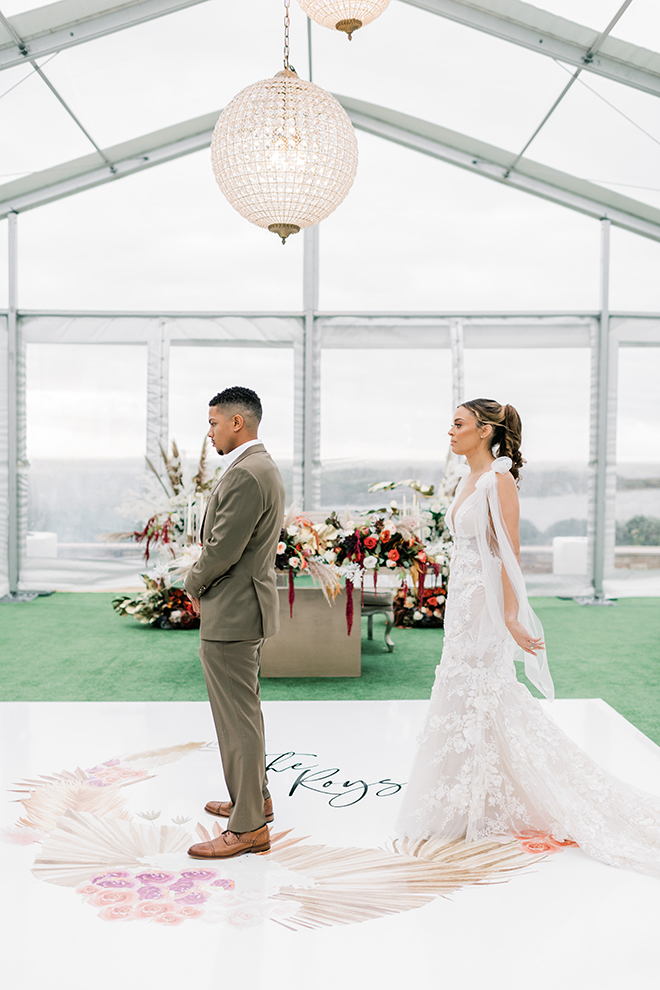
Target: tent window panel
[[550, 388], [384, 416], [199, 373], [638, 450], [86, 436]]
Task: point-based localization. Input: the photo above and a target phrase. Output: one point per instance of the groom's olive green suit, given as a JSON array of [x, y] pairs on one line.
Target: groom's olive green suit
[[234, 580]]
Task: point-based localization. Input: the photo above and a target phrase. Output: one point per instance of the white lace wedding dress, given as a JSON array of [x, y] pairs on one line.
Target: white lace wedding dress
[[490, 763]]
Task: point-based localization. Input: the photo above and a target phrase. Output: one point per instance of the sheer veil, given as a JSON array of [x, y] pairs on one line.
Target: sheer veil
[[490, 528]]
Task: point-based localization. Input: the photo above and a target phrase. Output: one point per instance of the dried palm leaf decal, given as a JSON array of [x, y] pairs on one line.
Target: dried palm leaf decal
[[354, 885]]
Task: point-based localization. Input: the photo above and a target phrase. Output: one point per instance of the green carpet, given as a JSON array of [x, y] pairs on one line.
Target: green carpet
[[73, 647]]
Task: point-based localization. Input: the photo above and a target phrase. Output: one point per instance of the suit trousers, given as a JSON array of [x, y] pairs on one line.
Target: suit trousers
[[231, 671]]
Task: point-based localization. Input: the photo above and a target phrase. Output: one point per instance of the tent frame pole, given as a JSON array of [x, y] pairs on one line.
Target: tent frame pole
[[311, 463], [12, 408]]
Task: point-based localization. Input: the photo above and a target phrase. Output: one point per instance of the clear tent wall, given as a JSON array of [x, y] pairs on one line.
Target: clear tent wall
[[129, 303]]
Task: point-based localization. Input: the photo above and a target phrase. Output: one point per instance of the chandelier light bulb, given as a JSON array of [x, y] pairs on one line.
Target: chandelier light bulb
[[284, 153], [344, 15]]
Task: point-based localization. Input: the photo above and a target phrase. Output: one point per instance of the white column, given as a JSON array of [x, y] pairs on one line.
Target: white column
[[13, 539], [158, 382], [311, 427], [603, 431]]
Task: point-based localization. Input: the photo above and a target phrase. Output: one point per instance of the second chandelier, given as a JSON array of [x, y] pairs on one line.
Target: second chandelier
[[344, 15]]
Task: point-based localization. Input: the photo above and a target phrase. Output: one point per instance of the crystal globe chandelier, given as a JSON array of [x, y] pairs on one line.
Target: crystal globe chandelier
[[284, 151], [344, 15]]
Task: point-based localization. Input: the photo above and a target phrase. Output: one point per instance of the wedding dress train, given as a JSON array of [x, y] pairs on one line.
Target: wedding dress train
[[490, 763]]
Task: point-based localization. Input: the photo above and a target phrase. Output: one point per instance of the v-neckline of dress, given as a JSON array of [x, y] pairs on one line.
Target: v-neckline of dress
[[457, 508], [453, 515]]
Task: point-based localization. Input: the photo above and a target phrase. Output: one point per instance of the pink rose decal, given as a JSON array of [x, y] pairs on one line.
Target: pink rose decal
[[102, 898], [117, 912], [170, 918], [150, 909]]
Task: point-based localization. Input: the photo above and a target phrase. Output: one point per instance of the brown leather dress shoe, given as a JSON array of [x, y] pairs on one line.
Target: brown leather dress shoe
[[222, 809], [232, 844]]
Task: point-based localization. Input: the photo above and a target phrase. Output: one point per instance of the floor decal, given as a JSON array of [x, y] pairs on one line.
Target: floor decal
[[130, 866]]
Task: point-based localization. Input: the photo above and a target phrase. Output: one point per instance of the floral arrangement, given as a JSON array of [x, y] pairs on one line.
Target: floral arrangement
[[175, 507], [407, 541], [166, 897], [161, 605], [420, 612], [173, 503], [350, 549]]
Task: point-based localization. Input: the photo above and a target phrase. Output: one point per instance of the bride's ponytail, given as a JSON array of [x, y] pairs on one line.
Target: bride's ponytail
[[512, 439], [506, 437]]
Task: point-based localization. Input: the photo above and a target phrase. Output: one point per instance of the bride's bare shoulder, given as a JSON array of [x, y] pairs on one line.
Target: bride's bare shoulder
[[506, 487]]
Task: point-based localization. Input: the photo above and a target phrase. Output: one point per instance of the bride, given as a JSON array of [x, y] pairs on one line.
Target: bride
[[490, 763]]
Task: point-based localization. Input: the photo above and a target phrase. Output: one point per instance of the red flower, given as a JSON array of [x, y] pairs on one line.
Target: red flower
[[393, 554], [370, 542], [432, 601], [385, 536], [421, 556]]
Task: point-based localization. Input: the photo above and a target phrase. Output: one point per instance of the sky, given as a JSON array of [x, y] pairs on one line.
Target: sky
[[413, 233]]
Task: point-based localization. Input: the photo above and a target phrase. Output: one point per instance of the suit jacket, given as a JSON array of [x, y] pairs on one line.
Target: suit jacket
[[234, 577]]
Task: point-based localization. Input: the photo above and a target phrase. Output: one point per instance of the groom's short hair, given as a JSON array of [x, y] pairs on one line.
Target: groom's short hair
[[238, 399]]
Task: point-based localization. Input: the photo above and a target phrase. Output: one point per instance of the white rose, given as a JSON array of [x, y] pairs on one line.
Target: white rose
[[370, 562], [294, 562], [292, 531], [394, 504], [391, 563], [426, 532], [417, 615], [281, 547], [329, 556], [436, 507]]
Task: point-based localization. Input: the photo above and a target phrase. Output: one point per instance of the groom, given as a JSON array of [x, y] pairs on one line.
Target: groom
[[233, 586]]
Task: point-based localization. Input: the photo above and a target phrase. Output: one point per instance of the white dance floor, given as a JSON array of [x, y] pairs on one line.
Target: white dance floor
[[103, 895]]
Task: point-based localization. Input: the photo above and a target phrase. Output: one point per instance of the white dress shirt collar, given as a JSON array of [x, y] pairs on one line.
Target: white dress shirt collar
[[228, 459]]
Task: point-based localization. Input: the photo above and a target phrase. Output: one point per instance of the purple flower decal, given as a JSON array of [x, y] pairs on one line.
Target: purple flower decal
[[199, 874], [149, 878], [181, 885], [195, 898], [111, 875], [111, 763], [150, 893], [95, 782], [225, 884]]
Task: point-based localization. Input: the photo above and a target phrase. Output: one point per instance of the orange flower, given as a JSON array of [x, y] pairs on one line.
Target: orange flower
[[540, 842], [385, 535], [421, 556], [393, 554]]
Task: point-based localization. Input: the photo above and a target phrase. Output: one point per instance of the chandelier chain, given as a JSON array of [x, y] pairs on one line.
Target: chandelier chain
[[287, 24]]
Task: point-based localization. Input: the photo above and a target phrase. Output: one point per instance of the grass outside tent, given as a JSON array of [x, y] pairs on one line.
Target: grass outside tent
[[73, 647]]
